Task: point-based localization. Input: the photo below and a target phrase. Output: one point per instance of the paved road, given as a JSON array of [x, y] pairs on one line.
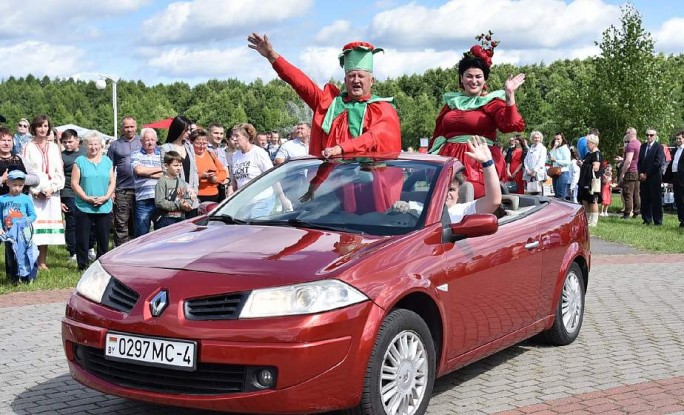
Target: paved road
[[629, 357]]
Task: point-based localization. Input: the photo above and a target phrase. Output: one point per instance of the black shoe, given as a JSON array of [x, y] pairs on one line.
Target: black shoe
[[646, 223], [625, 217], [681, 225], [658, 224]]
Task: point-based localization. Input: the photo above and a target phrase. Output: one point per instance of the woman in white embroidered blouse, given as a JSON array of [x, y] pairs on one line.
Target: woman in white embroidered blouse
[[45, 158], [535, 160]]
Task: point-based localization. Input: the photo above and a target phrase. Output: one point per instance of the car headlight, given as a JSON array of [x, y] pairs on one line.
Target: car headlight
[[307, 298], [93, 282]]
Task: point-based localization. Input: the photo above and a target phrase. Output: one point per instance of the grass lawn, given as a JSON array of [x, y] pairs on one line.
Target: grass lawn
[[668, 238], [62, 274]]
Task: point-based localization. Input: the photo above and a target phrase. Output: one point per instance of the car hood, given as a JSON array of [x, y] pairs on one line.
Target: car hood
[[243, 250]]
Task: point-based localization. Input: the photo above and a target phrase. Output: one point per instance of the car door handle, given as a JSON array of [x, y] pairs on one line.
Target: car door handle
[[532, 245]]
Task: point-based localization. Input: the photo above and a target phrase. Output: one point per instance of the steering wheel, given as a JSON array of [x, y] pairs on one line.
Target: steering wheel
[[412, 212]]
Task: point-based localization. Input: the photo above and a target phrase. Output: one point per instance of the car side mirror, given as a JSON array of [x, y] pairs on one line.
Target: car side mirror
[[472, 226], [206, 207]]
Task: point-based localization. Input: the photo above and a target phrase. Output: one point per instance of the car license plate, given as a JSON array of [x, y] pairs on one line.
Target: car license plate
[[151, 351]]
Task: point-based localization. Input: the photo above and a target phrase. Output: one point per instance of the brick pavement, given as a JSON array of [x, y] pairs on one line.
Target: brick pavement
[[628, 358]]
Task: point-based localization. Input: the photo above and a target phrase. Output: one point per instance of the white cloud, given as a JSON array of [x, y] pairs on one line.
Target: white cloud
[[40, 59], [518, 24], [394, 63], [340, 31], [57, 17], [211, 20], [669, 37], [322, 65], [547, 56], [241, 63]]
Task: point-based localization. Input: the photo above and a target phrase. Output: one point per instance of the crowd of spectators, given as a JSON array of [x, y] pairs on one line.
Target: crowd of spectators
[[81, 192], [85, 196], [647, 175]]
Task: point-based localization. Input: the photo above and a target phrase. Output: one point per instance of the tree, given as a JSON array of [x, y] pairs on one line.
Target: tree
[[630, 87]]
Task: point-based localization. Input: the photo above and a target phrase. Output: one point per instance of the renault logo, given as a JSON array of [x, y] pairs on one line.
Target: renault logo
[[159, 303]]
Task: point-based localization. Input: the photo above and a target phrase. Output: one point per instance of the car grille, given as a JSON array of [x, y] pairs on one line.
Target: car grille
[[220, 307], [207, 379], [119, 297]]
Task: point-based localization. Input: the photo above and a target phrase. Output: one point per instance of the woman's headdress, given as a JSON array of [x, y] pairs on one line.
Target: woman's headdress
[[485, 50]]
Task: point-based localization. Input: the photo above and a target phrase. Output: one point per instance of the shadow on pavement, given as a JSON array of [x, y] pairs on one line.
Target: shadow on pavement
[[66, 396], [464, 374]]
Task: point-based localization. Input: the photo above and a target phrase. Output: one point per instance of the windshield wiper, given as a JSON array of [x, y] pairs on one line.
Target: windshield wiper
[[311, 225], [225, 219]]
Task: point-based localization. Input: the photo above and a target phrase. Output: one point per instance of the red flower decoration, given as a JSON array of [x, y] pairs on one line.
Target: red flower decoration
[[485, 50]]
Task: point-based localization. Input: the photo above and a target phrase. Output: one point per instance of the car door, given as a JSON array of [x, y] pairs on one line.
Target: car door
[[493, 285]]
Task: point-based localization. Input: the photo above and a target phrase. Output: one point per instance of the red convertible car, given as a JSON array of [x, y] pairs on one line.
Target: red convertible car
[[342, 302]]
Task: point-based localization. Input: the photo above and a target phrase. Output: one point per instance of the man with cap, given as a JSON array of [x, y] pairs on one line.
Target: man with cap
[[343, 121]]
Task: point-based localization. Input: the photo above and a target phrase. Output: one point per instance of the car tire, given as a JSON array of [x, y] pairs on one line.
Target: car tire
[[569, 311], [403, 355]]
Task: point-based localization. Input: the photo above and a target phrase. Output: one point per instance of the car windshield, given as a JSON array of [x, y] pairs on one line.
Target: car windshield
[[349, 195]]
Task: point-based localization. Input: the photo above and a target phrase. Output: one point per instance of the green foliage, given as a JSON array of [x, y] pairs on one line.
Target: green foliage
[[626, 86], [62, 274], [631, 86]]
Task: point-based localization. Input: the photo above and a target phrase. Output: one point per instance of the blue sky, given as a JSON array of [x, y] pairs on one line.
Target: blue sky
[[192, 41]]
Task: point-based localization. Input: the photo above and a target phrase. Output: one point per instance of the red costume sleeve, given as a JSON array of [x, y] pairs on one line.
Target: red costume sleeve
[[299, 81], [382, 132], [322, 173], [506, 117]]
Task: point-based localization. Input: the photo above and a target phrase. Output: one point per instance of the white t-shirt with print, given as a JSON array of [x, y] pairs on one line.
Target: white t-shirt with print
[[247, 166]]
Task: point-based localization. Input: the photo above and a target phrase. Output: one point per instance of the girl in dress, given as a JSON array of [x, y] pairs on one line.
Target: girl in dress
[[45, 157], [606, 189], [574, 176]]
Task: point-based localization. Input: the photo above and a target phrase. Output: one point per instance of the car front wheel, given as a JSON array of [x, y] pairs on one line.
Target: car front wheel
[[570, 310], [401, 369]]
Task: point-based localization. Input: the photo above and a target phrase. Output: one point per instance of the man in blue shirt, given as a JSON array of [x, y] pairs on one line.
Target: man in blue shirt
[[582, 149], [147, 169], [124, 194]]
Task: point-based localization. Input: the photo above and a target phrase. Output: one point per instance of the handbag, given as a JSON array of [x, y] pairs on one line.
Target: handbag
[[533, 187], [595, 184], [554, 172]]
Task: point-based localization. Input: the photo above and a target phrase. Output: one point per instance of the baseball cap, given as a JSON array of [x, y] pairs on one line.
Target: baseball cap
[[16, 174]]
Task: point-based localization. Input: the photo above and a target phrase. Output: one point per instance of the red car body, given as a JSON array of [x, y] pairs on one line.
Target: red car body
[[477, 295]]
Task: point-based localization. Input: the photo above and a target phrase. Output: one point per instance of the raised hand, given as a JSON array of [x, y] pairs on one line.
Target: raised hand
[[513, 82], [262, 45], [479, 150]]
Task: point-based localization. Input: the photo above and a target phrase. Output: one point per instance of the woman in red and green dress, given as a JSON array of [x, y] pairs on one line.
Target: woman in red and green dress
[[472, 112]]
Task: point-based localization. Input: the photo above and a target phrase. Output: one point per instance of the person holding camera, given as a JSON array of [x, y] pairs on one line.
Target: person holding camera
[[209, 169]]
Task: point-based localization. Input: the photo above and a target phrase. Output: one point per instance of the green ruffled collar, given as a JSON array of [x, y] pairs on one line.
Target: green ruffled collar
[[461, 101]]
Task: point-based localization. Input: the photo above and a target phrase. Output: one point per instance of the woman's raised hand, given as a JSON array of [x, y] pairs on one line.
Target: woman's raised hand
[[513, 82]]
